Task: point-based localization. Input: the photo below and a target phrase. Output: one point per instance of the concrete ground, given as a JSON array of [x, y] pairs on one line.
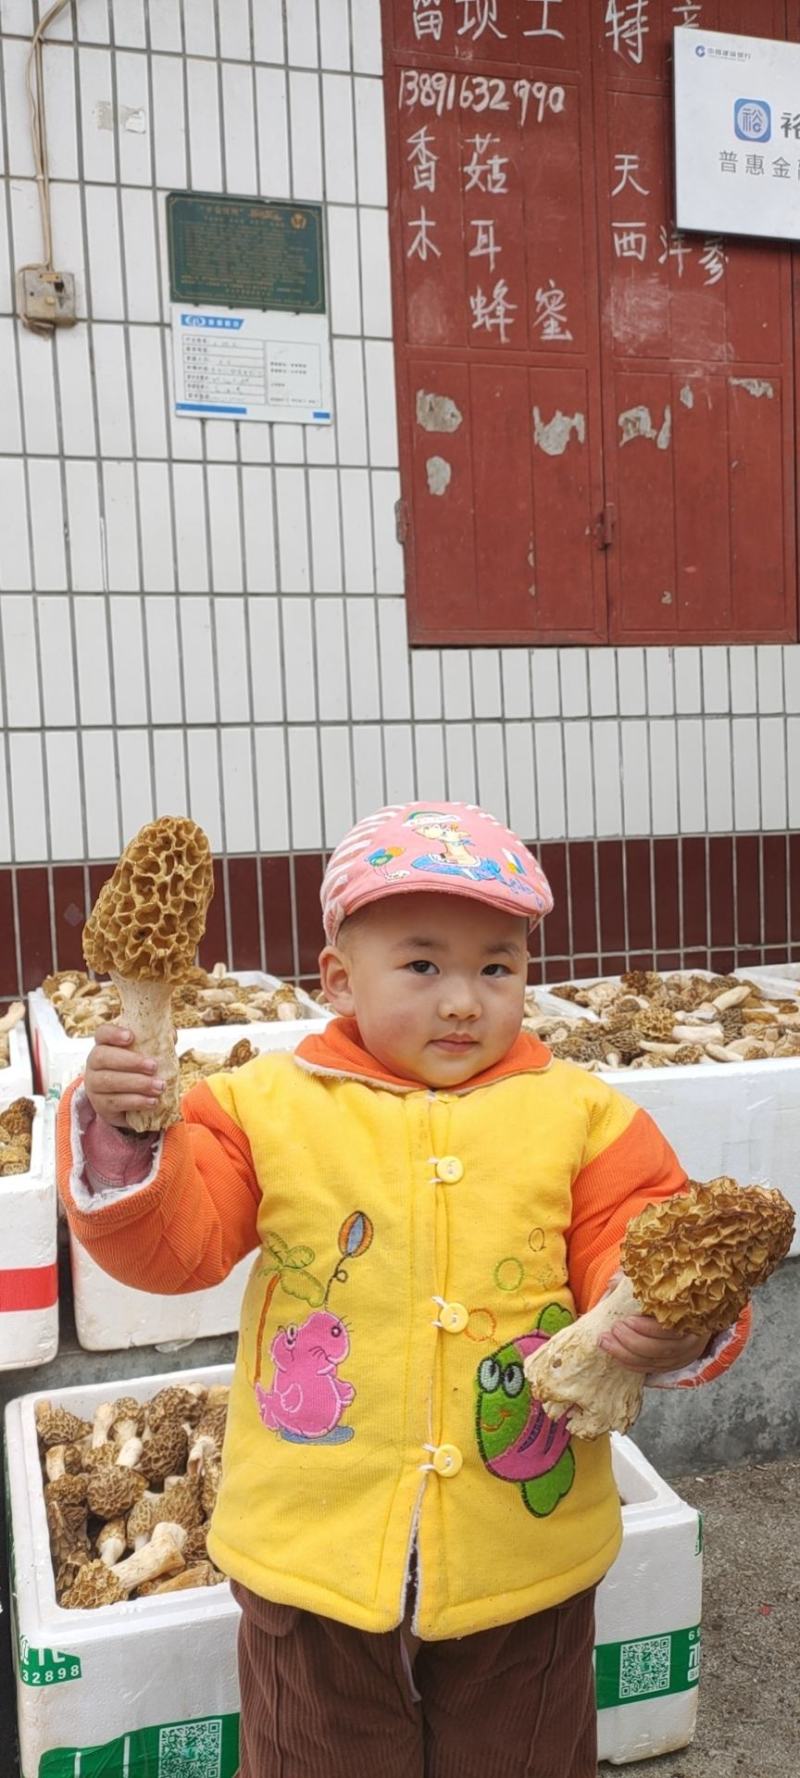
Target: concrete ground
[[749, 1716]]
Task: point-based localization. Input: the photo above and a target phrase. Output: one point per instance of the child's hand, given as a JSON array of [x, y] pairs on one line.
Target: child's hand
[[642, 1344], [117, 1079]]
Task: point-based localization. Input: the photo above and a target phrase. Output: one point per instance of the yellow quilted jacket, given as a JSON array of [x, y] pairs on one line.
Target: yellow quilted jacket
[[413, 1247]]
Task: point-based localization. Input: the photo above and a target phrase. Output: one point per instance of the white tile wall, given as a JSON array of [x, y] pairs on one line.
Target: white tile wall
[[209, 618]]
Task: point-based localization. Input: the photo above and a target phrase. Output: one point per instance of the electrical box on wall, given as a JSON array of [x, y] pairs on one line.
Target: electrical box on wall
[[45, 299]]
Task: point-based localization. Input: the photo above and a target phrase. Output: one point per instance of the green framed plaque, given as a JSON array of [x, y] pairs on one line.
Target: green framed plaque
[[245, 253]]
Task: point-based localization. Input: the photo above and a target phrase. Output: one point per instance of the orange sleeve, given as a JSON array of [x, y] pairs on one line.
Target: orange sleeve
[[627, 1165], [192, 1223]]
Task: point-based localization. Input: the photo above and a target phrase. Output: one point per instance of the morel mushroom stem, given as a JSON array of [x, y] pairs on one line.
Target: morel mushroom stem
[[162, 1555], [573, 1375], [111, 1542], [147, 1014], [128, 1455]]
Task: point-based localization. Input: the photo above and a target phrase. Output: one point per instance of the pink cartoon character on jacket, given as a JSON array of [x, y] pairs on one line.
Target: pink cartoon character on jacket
[[307, 1398]]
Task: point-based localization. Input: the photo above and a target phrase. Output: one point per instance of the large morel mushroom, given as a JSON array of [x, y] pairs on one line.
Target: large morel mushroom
[[691, 1262], [143, 932]]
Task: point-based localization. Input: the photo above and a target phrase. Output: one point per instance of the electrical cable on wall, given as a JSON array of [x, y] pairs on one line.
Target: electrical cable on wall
[[45, 296]]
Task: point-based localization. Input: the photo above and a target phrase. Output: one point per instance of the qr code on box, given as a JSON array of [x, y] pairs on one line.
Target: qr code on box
[[191, 1750], [644, 1667]]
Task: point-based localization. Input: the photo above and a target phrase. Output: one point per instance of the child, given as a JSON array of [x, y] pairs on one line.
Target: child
[[414, 1545]]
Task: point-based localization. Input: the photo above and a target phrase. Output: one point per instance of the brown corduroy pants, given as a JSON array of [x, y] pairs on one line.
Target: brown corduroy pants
[[320, 1700]]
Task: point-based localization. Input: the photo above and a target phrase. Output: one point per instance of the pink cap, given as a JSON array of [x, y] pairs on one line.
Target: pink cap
[[448, 848]]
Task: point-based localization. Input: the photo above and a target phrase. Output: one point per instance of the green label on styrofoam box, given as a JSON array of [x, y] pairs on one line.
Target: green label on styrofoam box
[[649, 1667], [46, 1666], [205, 1748], [36, 1666]]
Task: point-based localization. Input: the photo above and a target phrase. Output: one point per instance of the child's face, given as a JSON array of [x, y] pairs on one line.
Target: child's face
[[436, 983]]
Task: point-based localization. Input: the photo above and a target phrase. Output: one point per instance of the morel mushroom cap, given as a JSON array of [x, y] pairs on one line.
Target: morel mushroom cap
[[194, 1549], [179, 1504], [114, 1489], [67, 1524], [177, 1403], [641, 981], [656, 1023], [164, 1451], [694, 1260], [149, 917], [67, 1573], [17, 1118], [67, 1490], [213, 1422], [144, 929], [94, 1585], [140, 1518], [57, 1426], [127, 1408], [15, 1157]]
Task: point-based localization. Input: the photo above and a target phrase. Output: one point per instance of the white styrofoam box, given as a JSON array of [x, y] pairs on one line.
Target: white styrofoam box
[[779, 981], [16, 1080], [59, 1059], [736, 1118], [110, 1316], [149, 1685], [647, 1636], [96, 1684], [740, 1118], [28, 1270]]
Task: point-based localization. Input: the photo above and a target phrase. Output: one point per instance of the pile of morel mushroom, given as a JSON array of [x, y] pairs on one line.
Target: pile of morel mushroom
[[204, 997], [129, 1495], [646, 1020]]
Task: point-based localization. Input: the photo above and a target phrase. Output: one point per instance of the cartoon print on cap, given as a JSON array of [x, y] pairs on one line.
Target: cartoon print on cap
[[306, 1397], [383, 861], [457, 857], [516, 1438]]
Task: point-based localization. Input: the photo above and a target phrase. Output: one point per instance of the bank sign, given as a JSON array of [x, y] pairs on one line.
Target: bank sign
[[737, 134]]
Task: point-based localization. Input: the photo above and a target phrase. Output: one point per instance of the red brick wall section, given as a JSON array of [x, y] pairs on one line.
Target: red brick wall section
[[710, 901]]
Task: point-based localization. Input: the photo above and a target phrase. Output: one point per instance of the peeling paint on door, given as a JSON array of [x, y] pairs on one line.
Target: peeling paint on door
[[758, 387], [637, 422], [437, 413], [553, 436], [439, 472], [687, 395]]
